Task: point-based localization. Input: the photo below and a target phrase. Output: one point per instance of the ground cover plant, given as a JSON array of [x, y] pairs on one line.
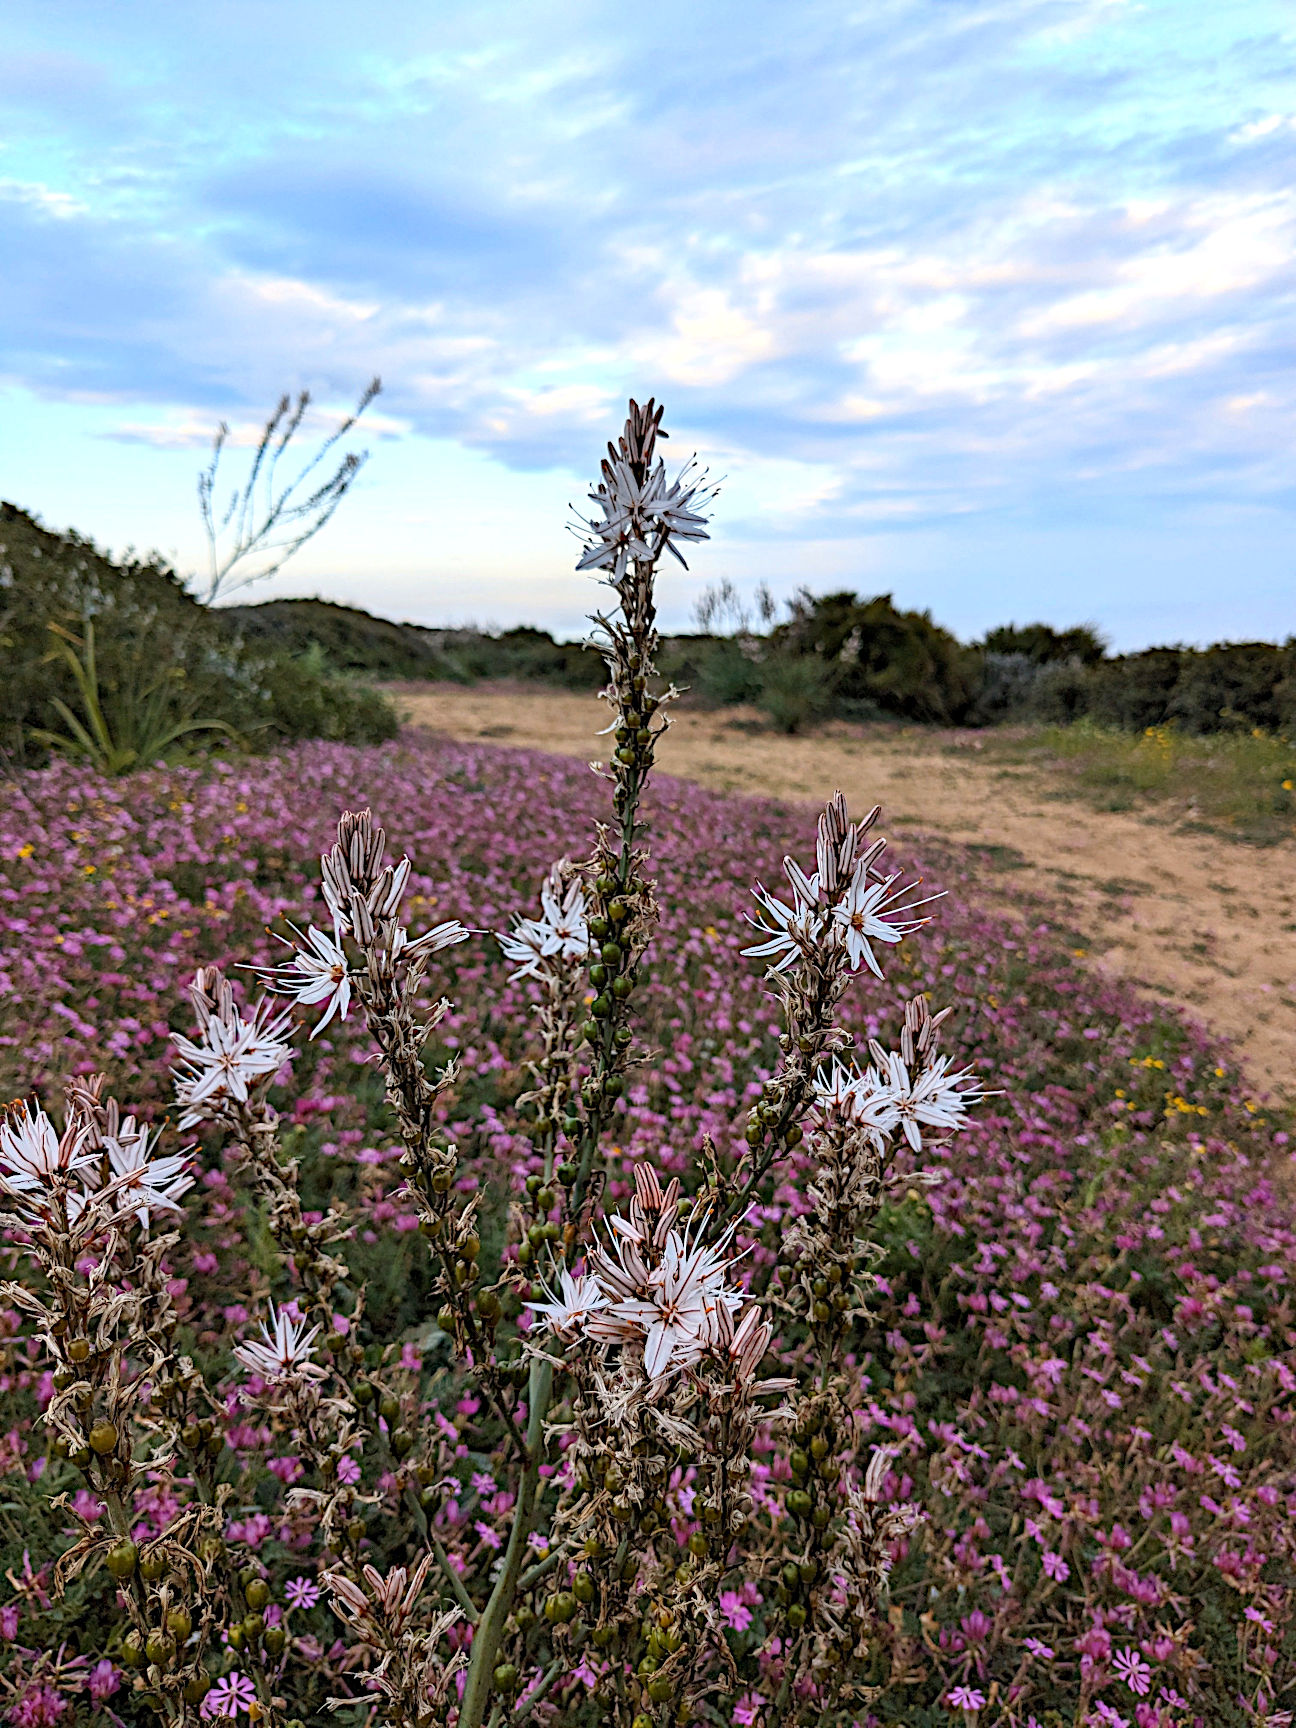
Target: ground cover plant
[[1072, 1357], [1240, 783]]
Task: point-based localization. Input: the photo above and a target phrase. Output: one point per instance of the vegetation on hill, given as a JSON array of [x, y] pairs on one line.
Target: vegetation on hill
[[120, 664], [840, 654]]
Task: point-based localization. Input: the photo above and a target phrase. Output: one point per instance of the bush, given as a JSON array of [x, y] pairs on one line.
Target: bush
[[883, 661], [163, 664]]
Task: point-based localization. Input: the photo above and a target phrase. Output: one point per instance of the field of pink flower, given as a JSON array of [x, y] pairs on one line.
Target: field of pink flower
[[1084, 1340]]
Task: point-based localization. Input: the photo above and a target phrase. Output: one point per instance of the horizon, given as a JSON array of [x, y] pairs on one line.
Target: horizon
[[986, 306]]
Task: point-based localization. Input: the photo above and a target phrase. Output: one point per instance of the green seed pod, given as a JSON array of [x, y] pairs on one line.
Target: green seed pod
[[567, 1172], [159, 1647], [214, 1445], [796, 1616], [698, 1546], [612, 953], [191, 1436], [660, 1688], [152, 1565], [179, 1624], [506, 1677], [799, 1503], [621, 987], [791, 1576], [388, 1407], [799, 1463], [601, 1007], [598, 974], [623, 1037], [598, 928], [604, 1637], [545, 1199], [821, 1517], [256, 1594], [103, 1438], [63, 1378], [618, 911], [822, 1313], [132, 1651], [446, 1318], [364, 1393], [488, 1306], [402, 1442], [583, 1587], [197, 1686], [564, 1607], [533, 1184], [122, 1558], [819, 1447], [79, 1350], [275, 1640]]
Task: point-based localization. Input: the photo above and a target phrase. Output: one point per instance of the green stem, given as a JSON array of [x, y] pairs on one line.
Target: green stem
[[490, 1628]]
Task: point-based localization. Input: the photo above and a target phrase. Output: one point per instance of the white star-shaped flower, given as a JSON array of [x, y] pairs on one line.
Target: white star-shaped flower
[[934, 1098], [875, 912], [229, 1057], [568, 1314], [316, 973], [285, 1351]]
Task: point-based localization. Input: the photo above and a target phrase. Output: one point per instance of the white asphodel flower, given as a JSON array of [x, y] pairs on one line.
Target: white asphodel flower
[[230, 1056], [316, 973], [137, 1184], [33, 1152], [841, 1091], [561, 932], [637, 521], [285, 1352], [790, 931], [934, 1098], [568, 1313], [673, 1310], [875, 912]]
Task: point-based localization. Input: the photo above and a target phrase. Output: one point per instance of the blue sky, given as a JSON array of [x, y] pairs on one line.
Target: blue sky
[[986, 303]]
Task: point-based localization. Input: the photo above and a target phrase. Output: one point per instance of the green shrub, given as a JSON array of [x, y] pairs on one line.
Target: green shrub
[[795, 691], [122, 652]]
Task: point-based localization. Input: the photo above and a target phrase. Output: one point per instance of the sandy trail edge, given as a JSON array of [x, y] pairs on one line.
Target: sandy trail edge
[[1204, 923]]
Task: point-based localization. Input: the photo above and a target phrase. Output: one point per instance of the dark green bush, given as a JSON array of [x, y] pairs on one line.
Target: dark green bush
[[153, 644], [883, 661]]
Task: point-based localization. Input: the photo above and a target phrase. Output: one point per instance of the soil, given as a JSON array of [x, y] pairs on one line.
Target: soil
[[1204, 922]]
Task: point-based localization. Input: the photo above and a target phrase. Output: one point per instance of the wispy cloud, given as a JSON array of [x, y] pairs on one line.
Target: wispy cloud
[[898, 268]]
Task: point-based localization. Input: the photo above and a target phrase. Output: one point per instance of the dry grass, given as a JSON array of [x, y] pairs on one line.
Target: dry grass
[[1203, 922]]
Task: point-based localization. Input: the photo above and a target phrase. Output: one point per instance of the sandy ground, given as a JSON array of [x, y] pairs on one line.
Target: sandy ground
[[1209, 924]]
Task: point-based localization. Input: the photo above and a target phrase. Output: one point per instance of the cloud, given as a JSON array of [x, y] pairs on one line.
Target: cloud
[[898, 266]]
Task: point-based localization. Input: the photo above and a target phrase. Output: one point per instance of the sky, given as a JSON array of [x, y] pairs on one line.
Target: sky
[[986, 304]]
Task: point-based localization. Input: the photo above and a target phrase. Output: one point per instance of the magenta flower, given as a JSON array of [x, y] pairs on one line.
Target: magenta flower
[[1056, 1567], [230, 1697], [965, 1698], [1134, 1671], [302, 1592]]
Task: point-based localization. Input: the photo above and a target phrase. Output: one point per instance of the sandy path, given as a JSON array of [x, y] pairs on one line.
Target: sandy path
[[1202, 922]]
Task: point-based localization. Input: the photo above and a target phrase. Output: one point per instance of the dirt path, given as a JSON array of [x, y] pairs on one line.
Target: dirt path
[[1202, 922]]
